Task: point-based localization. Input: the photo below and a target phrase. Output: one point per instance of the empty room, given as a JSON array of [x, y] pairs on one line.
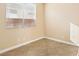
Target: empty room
[[39, 29]]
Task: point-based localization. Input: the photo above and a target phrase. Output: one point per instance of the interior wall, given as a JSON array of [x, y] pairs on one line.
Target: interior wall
[[58, 17], [10, 37], [55, 24]]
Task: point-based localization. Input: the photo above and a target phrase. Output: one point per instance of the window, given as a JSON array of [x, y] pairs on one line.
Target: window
[[20, 14]]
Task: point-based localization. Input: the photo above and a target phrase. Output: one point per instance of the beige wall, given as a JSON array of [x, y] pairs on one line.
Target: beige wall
[[10, 37], [56, 24], [58, 16]]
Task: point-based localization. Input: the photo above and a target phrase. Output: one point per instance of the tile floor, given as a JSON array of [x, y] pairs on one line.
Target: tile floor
[[44, 47]]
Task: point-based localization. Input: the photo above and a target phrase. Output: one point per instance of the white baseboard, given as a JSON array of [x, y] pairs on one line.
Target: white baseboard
[[22, 44], [62, 41], [17, 46]]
